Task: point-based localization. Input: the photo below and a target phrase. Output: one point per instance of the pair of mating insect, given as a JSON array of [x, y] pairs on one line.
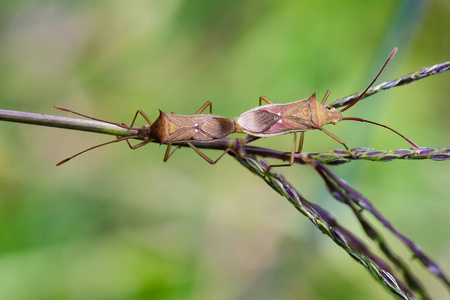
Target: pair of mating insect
[[262, 121]]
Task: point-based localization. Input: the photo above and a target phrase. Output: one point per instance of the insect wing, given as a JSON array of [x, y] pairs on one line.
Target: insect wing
[[198, 127], [297, 108], [287, 125], [276, 119], [257, 121], [217, 127]]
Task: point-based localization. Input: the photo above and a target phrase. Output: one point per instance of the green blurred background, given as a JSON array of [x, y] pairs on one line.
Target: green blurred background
[[121, 224]]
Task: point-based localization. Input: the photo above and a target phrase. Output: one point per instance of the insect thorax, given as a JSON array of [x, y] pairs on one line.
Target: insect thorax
[[333, 116], [159, 130]]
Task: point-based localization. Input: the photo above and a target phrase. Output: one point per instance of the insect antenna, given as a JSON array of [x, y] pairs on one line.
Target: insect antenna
[[362, 94], [373, 81], [367, 121], [92, 118], [97, 146]]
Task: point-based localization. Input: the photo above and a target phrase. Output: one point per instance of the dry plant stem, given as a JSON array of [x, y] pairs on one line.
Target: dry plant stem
[[344, 193], [64, 122], [329, 226], [336, 157]]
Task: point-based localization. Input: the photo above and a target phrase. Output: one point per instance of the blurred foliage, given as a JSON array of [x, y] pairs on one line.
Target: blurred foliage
[[121, 224]]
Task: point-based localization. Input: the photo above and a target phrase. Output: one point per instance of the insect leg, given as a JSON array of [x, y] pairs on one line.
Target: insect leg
[[140, 144], [325, 97], [265, 99], [300, 144], [132, 123], [204, 106], [338, 140], [143, 115], [168, 154], [291, 158], [203, 155]]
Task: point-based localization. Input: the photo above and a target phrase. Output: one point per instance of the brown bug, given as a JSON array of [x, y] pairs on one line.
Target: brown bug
[[299, 116], [172, 128]]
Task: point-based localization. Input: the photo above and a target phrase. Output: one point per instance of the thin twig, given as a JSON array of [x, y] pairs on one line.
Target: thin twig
[[335, 157], [424, 72], [344, 193], [321, 219]]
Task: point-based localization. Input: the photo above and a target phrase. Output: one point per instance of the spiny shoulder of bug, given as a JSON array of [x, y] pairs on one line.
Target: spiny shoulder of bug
[[160, 129], [325, 115], [155, 131]]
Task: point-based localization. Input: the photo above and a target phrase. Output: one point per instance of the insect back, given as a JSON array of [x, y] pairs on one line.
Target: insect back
[[171, 128]]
